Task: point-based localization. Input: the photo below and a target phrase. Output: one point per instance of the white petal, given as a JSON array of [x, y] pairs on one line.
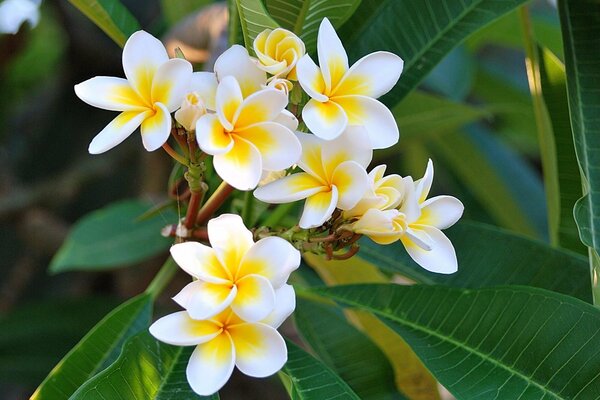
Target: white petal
[[142, 55], [410, 203], [423, 185], [110, 93], [241, 167], [205, 84], [352, 145], [211, 136], [260, 350], [203, 300], [285, 304], [278, 146], [157, 128], [373, 75], [288, 120], [374, 116], [255, 298], [351, 182], [311, 160], [379, 226], [179, 329], [117, 130], [326, 120], [332, 56], [318, 208], [13, 13], [171, 83], [261, 106], [290, 188], [211, 365], [237, 63], [441, 211], [228, 100], [272, 258], [230, 239], [440, 259], [310, 78], [200, 261]]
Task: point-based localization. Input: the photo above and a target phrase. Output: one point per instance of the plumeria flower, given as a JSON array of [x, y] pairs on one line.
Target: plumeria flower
[[278, 52], [342, 96], [384, 193], [235, 272], [244, 137], [154, 88], [226, 340], [417, 223], [13, 13], [334, 176]]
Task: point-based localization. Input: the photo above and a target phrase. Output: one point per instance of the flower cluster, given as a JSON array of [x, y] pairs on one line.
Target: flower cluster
[[246, 115]]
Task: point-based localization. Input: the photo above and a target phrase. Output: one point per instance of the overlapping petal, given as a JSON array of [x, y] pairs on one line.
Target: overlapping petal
[[318, 208], [203, 300], [332, 56], [423, 185], [259, 260], [260, 350], [205, 84], [440, 259], [108, 93], [236, 62], [211, 365], [264, 105], [142, 55], [351, 181], [255, 298], [229, 97], [285, 304], [310, 78], [380, 226], [373, 75], [278, 146], [200, 261], [156, 128], [290, 188], [241, 167], [230, 239], [180, 330], [326, 120], [352, 145], [441, 211], [311, 160], [171, 82], [117, 130], [211, 135]]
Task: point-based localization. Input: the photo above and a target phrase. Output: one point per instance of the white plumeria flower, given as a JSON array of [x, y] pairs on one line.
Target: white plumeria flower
[[154, 88], [235, 272], [13, 13], [418, 223], [244, 136], [225, 341], [278, 52], [334, 176], [385, 193], [342, 96]]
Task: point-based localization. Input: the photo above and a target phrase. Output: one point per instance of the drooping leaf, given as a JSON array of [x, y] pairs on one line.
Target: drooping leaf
[[580, 22], [506, 343], [111, 16], [254, 19], [346, 350], [422, 32], [112, 237], [310, 379], [97, 349], [490, 256], [145, 369], [34, 337], [303, 17]]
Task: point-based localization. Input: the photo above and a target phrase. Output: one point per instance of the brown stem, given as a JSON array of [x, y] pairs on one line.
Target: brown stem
[[328, 238], [175, 155], [353, 250], [192, 211], [175, 132], [200, 234], [213, 203]]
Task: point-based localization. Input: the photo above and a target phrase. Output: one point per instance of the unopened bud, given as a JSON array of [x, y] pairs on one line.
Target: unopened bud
[[192, 108]]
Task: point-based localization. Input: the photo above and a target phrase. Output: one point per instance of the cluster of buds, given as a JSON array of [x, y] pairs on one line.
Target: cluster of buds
[[246, 116]]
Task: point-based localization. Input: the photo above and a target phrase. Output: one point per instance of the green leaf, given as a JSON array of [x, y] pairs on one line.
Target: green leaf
[[111, 16], [145, 369], [489, 256], [175, 11], [254, 19], [581, 36], [422, 32], [349, 352], [303, 17], [113, 237], [312, 380], [97, 349], [33, 338], [504, 343]]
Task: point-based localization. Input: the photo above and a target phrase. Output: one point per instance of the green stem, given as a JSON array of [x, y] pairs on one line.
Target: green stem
[[248, 208], [278, 214], [162, 278]]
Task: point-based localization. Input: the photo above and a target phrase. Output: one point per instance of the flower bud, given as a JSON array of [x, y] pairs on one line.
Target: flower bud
[[192, 108], [278, 51]]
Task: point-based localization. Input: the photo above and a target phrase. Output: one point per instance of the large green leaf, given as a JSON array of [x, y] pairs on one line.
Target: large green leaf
[[502, 343], [33, 338], [580, 21], [112, 237], [489, 256], [309, 379], [254, 19], [97, 349], [422, 32], [145, 369], [303, 17], [349, 352], [110, 16]]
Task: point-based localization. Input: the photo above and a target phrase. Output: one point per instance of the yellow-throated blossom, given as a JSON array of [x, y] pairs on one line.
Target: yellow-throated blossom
[[417, 223], [244, 136], [278, 51], [235, 272], [154, 88], [334, 176], [342, 96], [226, 340]]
